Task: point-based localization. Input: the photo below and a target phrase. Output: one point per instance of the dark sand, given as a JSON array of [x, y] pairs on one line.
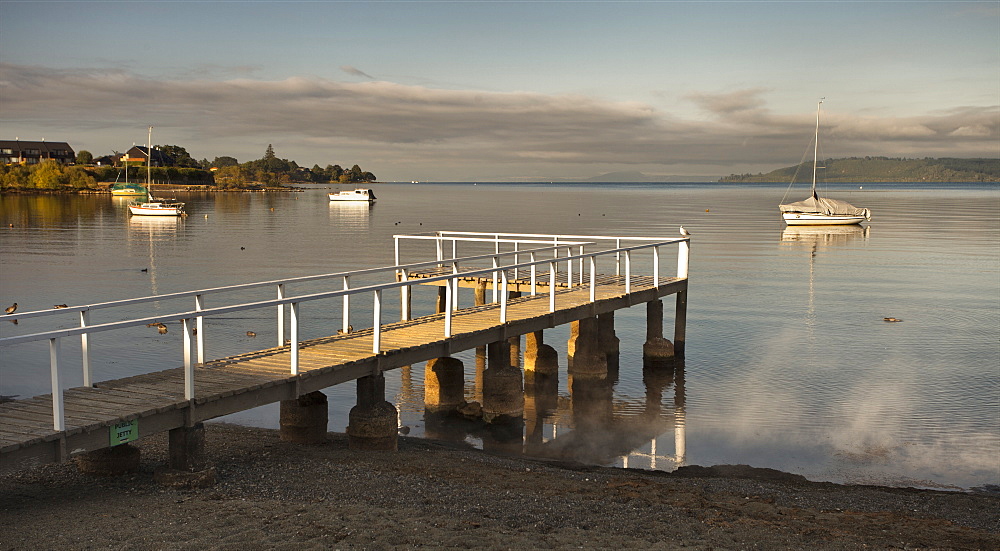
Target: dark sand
[[276, 495]]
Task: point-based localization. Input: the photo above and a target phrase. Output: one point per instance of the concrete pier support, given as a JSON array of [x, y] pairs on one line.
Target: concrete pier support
[[503, 385], [304, 419], [584, 352], [656, 347], [115, 460], [373, 422], [444, 384], [541, 361], [680, 323], [608, 341], [187, 465], [442, 297]]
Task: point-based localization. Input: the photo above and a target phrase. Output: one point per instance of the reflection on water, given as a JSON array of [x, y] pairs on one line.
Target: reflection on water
[[353, 216], [824, 235]]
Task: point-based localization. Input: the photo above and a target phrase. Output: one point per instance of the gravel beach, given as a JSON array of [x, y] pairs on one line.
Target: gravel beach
[[270, 494]]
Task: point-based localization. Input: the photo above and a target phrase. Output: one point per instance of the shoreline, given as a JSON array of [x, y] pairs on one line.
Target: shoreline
[[437, 494]]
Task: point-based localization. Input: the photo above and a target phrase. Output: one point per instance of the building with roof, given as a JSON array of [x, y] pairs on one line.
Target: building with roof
[[139, 154], [18, 151]]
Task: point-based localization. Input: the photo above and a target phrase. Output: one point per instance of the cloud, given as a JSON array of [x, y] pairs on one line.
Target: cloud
[[465, 132], [355, 71]]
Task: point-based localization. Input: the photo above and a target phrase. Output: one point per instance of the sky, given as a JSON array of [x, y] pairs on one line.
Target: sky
[[507, 91]]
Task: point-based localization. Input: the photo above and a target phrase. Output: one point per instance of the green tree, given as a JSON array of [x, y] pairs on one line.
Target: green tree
[[222, 162], [84, 157], [46, 175]]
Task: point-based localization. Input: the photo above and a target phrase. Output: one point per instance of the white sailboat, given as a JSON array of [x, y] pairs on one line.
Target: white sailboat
[[153, 206], [821, 211]]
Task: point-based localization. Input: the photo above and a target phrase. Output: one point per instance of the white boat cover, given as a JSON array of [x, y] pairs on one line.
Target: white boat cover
[[824, 205]]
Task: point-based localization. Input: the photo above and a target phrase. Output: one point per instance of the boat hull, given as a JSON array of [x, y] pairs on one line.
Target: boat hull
[[351, 199], [157, 209], [806, 219], [358, 195]]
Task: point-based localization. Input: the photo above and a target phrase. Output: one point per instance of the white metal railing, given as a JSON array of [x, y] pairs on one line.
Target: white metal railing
[[193, 341]]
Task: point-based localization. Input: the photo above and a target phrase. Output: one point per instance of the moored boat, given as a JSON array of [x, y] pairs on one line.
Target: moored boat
[[157, 207], [127, 189], [153, 206], [821, 211], [359, 194]]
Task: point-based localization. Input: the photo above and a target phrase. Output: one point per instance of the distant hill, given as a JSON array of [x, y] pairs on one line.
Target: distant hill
[[882, 169]]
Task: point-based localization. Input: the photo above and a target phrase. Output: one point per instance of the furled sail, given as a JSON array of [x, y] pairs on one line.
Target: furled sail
[[824, 205]]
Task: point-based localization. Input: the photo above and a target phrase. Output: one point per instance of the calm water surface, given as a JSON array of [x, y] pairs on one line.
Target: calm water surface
[[789, 364]]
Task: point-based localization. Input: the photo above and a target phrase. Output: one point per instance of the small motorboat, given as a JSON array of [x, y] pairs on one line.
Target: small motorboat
[[359, 194]]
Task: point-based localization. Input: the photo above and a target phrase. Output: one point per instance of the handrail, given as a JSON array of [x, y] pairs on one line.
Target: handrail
[[403, 283]]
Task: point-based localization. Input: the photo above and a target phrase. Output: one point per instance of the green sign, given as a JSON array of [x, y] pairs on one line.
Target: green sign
[[125, 432]]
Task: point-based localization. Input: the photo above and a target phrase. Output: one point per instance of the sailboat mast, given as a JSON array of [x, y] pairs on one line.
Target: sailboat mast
[[816, 148], [149, 156]]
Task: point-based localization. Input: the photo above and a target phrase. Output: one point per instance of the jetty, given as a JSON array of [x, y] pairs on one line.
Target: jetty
[[488, 290]]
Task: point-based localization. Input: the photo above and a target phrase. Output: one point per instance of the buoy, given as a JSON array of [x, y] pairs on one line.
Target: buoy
[[891, 319]]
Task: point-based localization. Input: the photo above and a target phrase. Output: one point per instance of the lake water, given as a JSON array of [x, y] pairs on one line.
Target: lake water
[[789, 364]]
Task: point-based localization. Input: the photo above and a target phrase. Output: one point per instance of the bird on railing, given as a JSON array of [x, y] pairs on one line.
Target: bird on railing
[[11, 309], [684, 232], [60, 306]]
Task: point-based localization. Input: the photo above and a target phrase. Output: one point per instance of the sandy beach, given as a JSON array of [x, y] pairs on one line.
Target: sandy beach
[[270, 494]]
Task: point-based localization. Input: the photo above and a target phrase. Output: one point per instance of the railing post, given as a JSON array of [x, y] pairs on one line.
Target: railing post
[[293, 311], [593, 278], [85, 349], [581, 265], [496, 264], [396, 247], [618, 257], [454, 247], [58, 419], [347, 305], [552, 286], [404, 297], [503, 297], [516, 256], [628, 272], [569, 268], [533, 270], [281, 315], [199, 305], [377, 322], [440, 247], [188, 365], [656, 267], [683, 252], [448, 299], [454, 283]]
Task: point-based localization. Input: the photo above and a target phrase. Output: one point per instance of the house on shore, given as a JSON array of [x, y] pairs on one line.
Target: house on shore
[[139, 153], [18, 151]]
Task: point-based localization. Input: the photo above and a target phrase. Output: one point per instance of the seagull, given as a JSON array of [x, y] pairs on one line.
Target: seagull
[[10, 309], [161, 328], [684, 232], [60, 306]]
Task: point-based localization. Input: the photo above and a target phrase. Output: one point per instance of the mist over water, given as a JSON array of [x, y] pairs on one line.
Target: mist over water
[[789, 364]]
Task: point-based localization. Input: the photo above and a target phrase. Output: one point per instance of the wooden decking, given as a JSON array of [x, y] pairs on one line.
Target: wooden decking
[[244, 381]]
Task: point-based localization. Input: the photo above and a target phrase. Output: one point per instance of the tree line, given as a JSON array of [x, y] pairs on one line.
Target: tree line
[[224, 172]]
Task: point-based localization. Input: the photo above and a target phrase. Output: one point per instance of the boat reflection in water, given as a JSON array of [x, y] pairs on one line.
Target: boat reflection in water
[[148, 231], [815, 239], [351, 215]]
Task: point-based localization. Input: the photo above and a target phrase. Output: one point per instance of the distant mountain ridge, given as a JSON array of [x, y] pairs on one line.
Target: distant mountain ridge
[[882, 169]]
